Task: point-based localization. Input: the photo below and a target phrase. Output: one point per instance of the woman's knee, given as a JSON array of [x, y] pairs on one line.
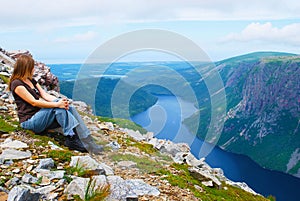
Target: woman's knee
[[60, 110]]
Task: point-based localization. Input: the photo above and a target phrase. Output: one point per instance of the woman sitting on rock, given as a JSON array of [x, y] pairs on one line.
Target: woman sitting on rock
[[38, 110]]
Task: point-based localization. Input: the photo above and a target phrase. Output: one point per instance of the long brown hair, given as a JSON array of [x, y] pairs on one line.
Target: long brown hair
[[22, 69]]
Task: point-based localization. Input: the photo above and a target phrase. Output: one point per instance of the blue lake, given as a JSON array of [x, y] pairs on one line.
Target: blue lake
[[164, 119]]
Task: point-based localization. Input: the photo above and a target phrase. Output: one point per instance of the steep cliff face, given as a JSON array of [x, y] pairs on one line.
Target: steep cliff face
[[263, 119]]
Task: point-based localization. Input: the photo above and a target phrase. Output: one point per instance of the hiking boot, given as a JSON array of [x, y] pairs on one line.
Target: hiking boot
[[74, 143], [91, 146]]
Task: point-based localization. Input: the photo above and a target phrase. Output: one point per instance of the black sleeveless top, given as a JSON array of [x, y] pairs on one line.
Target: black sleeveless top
[[25, 110]]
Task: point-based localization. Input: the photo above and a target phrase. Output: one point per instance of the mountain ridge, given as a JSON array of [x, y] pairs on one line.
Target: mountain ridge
[[263, 113]]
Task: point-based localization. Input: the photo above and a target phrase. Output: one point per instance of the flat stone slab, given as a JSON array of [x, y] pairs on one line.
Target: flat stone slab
[[13, 154], [15, 144]]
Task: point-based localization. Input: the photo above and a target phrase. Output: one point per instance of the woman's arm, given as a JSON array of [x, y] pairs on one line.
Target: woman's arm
[[44, 94], [26, 96]]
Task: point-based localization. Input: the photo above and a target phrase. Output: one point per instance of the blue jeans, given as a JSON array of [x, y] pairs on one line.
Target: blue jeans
[[67, 119]]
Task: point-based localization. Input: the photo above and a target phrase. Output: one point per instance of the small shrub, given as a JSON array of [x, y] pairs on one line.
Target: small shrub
[[143, 163], [77, 170], [60, 156], [96, 194]]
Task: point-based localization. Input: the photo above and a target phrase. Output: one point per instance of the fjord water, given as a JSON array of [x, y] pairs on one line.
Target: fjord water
[[164, 119], [236, 167]]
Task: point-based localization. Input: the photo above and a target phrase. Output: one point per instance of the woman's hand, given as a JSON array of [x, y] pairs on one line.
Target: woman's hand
[[63, 103]]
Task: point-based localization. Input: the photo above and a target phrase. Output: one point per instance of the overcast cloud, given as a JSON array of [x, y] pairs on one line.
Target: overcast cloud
[[35, 13], [73, 28]]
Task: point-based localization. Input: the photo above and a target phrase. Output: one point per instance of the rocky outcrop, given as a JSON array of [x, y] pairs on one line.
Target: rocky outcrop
[[42, 73]]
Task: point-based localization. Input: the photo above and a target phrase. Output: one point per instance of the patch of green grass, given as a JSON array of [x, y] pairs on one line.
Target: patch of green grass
[[77, 171], [42, 140], [2, 182], [143, 163], [147, 148], [185, 180], [60, 156], [5, 126], [39, 181], [295, 169], [67, 178], [4, 78], [81, 171], [124, 123]]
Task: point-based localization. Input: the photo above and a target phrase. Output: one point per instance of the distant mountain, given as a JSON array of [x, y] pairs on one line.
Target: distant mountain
[[263, 104]]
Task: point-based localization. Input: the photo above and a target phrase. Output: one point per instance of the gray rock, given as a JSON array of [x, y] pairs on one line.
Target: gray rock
[[46, 163], [118, 189], [89, 163], [241, 185], [60, 182], [5, 96], [8, 162], [77, 187], [135, 134], [141, 188], [157, 143], [218, 172], [180, 157], [51, 174], [188, 158], [15, 144], [170, 148], [22, 193], [45, 190], [208, 183], [108, 170], [29, 179], [12, 182], [3, 108], [14, 154], [126, 189], [193, 161], [4, 190], [100, 180], [149, 136], [127, 164], [110, 126], [53, 146], [114, 145], [106, 126], [205, 175], [86, 162]]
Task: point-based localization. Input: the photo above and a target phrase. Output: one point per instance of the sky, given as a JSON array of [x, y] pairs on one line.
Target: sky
[[68, 31]]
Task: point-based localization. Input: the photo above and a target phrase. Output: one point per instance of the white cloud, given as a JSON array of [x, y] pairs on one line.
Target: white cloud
[[82, 37], [32, 13], [266, 32]]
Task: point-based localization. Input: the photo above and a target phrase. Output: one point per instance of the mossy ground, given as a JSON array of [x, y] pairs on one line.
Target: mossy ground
[[180, 176]]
